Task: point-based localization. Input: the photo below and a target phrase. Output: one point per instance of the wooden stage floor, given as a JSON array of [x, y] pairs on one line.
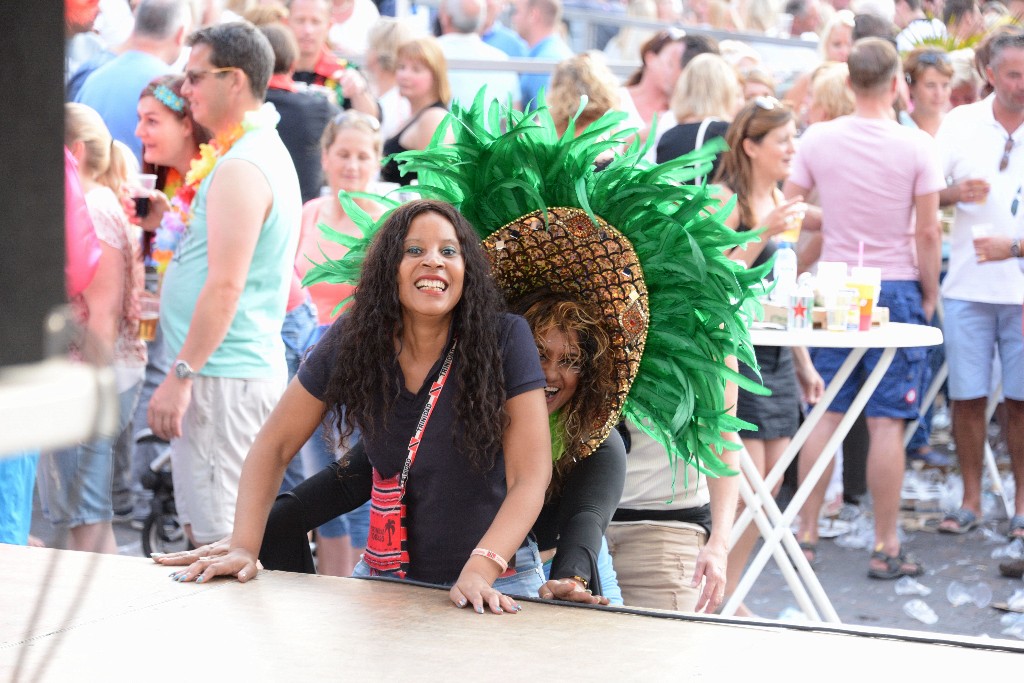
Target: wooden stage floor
[[76, 616]]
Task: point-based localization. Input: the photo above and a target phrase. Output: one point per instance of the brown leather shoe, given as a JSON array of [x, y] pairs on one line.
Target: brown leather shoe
[[1013, 569]]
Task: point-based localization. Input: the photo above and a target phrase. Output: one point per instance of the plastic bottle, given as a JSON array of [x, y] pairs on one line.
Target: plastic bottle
[[784, 273]]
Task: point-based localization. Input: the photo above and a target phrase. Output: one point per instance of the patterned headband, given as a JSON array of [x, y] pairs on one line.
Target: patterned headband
[[169, 99]]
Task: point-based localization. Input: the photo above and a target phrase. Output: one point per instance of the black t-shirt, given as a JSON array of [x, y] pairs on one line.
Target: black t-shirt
[[576, 520], [682, 139], [449, 503], [304, 115]]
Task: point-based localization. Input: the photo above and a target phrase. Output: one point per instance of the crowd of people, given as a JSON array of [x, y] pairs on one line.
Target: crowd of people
[[257, 118]]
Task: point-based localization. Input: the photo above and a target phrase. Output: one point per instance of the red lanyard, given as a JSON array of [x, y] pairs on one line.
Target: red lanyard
[[386, 545]]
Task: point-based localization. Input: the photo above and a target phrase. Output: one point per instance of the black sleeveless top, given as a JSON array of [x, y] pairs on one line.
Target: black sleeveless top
[[766, 253], [389, 171]]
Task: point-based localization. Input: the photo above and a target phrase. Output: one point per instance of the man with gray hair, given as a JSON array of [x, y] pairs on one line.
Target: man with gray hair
[[154, 44], [461, 22], [981, 146]]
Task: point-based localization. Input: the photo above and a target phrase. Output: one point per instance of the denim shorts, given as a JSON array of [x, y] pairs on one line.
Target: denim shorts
[[75, 483], [525, 583], [973, 332], [897, 395], [299, 331]]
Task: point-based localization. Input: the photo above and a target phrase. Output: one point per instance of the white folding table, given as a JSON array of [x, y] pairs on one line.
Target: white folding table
[[774, 524]]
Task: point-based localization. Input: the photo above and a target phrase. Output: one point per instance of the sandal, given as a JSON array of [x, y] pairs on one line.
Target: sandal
[[1016, 527], [896, 566], [810, 551], [965, 520]]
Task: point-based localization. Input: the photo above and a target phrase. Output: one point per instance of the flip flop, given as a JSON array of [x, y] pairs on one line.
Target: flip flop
[[964, 519]]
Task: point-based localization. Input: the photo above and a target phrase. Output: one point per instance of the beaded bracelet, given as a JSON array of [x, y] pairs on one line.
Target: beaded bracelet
[[491, 555]]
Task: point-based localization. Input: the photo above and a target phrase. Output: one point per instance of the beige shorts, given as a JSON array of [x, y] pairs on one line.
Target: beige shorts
[[655, 564], [217, 431]]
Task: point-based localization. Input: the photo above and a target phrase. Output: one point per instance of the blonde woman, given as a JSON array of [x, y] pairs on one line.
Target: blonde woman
[[75, 483], [422, 77], [704, 101], [836, 42], [830, 96], [585, 75], [380, 66]]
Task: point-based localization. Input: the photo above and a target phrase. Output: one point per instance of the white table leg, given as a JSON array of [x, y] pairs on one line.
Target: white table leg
[[764, 526], [796, 443], [782, 525]]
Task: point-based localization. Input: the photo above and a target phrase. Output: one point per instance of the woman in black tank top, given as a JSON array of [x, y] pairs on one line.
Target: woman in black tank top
[[760, 152], [422, 78]]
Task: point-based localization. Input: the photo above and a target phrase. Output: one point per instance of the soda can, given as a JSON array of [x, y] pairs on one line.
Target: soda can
[[800, 313]]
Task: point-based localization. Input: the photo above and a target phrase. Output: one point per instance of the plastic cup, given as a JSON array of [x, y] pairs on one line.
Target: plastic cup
[[149, 316], [867, 281], [979, 230], [793, 224], [146, 183], [831, 277], [837, 309]]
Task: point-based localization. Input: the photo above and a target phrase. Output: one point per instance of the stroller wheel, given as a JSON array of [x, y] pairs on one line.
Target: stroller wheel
[[162, 534]]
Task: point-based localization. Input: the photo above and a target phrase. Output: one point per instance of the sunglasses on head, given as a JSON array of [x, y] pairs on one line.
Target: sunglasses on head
[[766, 102], [352, 115]]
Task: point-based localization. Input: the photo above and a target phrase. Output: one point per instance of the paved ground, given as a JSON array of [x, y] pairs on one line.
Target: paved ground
[[859, 600]]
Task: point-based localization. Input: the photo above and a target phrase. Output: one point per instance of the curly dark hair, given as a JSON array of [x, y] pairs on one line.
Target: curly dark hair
[[585, 411], [362, 381]]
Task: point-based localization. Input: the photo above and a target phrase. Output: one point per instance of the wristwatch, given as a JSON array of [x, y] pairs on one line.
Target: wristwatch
[[183, 370], [1015, 249]]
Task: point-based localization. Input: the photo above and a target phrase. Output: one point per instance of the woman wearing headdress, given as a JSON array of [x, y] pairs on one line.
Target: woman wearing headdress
[[619, 269]]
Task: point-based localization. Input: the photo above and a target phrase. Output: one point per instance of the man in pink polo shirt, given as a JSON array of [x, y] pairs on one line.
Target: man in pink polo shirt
[[879, 185]]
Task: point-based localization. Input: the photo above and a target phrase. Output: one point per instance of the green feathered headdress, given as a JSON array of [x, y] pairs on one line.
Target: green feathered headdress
[[633, 239]]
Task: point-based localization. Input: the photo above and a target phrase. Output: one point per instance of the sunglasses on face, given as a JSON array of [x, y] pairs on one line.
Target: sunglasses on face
[[193, 76], [1005, 161]]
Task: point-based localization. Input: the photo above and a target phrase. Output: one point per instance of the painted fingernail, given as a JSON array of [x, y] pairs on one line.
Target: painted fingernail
[[462, 602], [479, 610], [519, 608], [199, 579], [500, 610]]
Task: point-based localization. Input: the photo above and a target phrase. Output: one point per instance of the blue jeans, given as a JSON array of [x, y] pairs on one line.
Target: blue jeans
[[299, 330], [74, 483], [525, 583]]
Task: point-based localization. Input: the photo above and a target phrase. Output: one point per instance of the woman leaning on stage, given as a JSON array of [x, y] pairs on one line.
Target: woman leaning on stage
[[426, 315]]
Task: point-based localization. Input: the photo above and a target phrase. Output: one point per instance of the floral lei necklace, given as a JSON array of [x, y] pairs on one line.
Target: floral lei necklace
[[175, 222]]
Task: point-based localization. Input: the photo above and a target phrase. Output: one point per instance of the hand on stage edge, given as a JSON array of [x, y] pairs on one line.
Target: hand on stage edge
[[235, 562], [570, 590], [474, 589]]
